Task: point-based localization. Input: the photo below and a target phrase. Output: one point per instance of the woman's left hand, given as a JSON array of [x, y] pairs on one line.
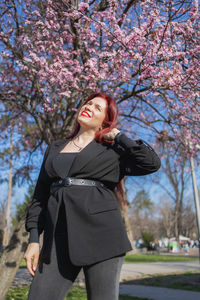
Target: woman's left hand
[[111, 135]]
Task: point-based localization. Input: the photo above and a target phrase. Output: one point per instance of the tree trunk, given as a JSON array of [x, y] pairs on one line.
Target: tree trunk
[[12, 257], [176, 224], [7, 229], [124, 212], [178, 215]]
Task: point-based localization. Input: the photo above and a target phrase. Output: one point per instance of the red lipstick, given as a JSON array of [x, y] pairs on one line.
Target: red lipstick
[[84, 113]]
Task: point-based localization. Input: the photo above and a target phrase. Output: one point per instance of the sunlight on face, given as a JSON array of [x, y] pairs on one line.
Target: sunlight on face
[[93, 113]]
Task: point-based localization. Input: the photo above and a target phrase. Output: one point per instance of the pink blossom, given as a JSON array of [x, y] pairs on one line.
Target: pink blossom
[[148, 60]]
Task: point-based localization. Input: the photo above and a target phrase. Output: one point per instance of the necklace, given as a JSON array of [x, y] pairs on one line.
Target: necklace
[[80, 148]]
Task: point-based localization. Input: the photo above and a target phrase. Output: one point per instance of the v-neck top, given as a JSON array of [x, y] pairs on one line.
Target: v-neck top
[[63, 162]]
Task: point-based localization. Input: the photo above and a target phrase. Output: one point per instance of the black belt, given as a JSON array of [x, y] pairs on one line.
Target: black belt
[[75, 181]]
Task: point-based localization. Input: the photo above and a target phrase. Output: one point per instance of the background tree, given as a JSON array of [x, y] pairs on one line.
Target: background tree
[[2, 222], [22, 208], [165, 220], [6, 234], [141, 214], [147, 238], [14, 252], [124, 209], [175, 167], [166, 223], [189, 224], [142, 203], [55, 53], [12, 257]]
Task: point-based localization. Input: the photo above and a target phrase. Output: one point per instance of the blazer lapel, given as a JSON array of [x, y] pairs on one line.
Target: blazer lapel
[[92, 150]]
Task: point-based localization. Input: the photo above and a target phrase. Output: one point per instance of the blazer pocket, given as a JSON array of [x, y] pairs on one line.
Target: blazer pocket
[[98, 207]]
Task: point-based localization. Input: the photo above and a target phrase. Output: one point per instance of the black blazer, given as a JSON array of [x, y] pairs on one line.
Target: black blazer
[[94, 223]]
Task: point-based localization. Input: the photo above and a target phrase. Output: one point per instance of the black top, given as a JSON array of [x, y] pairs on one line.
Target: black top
[[62, 162]]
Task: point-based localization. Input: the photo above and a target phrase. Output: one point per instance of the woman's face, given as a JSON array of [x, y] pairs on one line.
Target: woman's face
[[92, 114]]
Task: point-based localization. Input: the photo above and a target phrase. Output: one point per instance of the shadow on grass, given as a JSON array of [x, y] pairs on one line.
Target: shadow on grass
[[76, 293], [185, 281]]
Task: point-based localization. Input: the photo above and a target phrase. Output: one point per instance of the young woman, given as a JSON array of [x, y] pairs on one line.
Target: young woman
[[75, 205]]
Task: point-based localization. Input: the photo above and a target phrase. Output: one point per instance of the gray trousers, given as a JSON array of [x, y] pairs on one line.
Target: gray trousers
[[53, 281]]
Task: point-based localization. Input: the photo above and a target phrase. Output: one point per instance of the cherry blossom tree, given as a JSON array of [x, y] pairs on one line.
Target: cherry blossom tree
[[145, 53]]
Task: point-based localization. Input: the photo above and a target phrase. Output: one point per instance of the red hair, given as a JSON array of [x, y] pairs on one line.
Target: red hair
[[109, 122]]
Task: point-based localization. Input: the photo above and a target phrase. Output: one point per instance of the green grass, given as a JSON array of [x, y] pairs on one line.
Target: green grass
[[184, 281], [18, 293], [132, 298], [76, 293], [144, 258], [23, 263]]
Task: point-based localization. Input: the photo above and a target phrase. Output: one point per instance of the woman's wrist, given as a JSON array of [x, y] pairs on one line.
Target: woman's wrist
[[115, 131], [118, 134], [111, 134]]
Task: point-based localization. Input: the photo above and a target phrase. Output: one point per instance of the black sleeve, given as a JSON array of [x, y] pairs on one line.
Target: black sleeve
[[34, 236], [137, 158], [35, 216]]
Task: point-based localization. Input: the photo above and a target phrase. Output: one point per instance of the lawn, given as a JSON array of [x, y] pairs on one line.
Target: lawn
[[144, 258], [76, 293]]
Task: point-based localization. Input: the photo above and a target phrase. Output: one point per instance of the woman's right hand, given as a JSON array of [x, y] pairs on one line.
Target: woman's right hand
[[32, 256]]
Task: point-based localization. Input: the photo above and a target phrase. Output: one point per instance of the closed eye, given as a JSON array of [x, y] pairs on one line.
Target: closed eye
[[99, 108]]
